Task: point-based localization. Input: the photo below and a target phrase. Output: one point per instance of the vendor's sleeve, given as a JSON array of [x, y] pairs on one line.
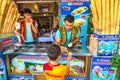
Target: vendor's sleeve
[[17, 25], [58, 35], [78, 34]]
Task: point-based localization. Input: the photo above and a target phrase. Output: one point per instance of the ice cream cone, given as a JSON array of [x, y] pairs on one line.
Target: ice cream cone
[[98, 74], [102, 45], [97, 70]]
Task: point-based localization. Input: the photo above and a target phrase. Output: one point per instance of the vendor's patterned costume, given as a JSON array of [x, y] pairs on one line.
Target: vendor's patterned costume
[[67, 37]]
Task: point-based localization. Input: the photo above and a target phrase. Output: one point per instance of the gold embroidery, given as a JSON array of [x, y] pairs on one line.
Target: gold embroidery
[[63, 34]]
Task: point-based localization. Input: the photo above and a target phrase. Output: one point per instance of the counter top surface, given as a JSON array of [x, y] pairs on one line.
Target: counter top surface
[[40, 49]]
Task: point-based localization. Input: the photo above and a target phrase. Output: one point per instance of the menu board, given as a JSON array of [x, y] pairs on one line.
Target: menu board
[[107, 44], [101, 69]]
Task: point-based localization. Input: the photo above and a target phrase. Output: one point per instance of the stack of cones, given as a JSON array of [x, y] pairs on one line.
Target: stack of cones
[[8, 16], [106, 18]]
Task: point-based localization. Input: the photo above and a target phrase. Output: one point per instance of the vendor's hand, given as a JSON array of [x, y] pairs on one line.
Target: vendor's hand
[[69, 55], [31, 21], [63, 49], [70, 45]]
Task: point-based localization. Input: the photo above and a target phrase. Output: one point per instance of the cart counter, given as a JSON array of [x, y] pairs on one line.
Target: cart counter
[[26, 61]]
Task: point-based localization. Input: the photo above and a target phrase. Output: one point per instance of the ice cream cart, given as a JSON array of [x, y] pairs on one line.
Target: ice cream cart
[[26, 62]]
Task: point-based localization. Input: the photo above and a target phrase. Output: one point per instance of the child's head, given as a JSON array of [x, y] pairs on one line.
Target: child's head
[[53, 52], [27, 13]]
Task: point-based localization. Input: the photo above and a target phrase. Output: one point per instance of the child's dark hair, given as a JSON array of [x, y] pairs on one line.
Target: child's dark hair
[[69, 18], [26, 10], [53, 52]]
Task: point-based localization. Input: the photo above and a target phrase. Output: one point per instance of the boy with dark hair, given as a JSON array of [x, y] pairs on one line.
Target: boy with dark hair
[[27, 11], [53, 70], [28, 27]]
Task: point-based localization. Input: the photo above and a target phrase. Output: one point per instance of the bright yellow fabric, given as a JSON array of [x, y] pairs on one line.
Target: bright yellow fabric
[[57, 73]]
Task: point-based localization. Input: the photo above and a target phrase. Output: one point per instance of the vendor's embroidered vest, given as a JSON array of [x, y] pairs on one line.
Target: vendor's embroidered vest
[[23, 29], [63, 34]]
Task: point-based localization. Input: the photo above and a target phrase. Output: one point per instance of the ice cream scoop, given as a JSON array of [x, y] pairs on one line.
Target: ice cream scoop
[[70, 45]]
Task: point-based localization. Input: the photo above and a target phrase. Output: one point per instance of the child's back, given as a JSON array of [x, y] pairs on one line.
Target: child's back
[[55, 72]]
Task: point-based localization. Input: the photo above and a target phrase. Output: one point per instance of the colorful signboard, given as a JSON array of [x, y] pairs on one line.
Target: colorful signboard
[[3, 74], [78, 66], [4, 42], [21, 77], [101, 69], [75, 78], [34, 64], [107, 44], [74, 10]]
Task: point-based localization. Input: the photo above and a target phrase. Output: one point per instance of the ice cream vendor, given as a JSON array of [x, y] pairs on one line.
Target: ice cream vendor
[[68, 35], [28, 28]]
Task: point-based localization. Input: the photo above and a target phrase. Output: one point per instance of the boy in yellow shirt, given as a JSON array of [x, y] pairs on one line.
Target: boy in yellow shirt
[[53, 70]]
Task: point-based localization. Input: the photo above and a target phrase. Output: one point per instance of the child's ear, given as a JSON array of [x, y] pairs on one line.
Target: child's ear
[[48, 59], [59, 57]]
